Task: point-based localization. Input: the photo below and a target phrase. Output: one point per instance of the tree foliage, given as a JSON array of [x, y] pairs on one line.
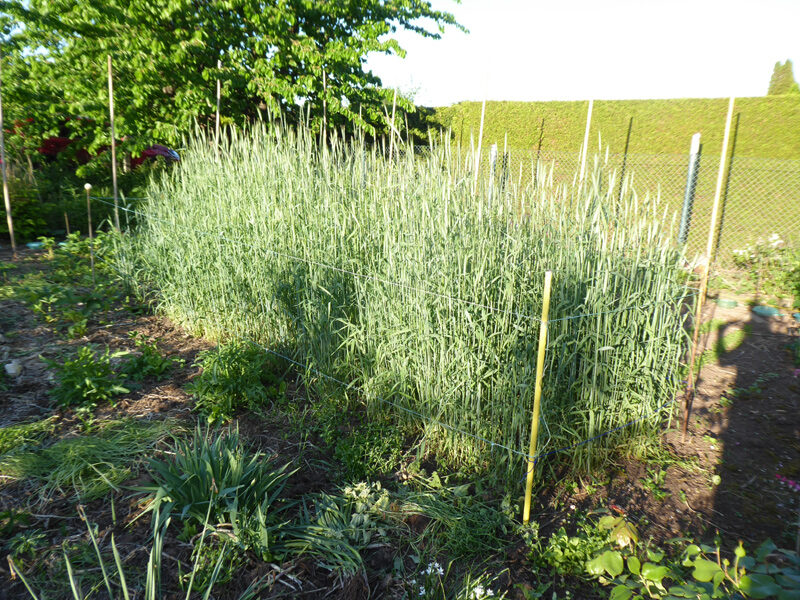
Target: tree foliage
[[301, 58], [782, 81]]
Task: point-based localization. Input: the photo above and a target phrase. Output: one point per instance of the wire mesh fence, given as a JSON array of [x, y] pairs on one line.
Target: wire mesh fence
[[760, 197]]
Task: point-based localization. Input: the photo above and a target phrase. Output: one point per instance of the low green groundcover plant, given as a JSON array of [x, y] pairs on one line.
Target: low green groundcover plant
[[699, 571], [148, 360], [89, 378], [234, 376]]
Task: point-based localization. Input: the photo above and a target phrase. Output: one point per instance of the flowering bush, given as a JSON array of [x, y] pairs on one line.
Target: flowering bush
[[772, 265]]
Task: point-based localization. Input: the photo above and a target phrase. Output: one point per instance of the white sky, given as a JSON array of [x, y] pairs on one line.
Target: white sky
[[602, 49]]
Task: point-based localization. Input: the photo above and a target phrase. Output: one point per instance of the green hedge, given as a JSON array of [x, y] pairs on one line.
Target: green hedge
[[767, 127]]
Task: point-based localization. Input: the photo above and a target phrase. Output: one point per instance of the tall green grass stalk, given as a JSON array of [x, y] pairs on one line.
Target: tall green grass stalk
[[391, 274]]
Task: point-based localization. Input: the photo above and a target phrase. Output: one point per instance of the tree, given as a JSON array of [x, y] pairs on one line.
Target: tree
[[296, 57], [782, 81]]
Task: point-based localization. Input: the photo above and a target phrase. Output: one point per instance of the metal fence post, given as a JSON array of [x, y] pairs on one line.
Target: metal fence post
[[691, 185]]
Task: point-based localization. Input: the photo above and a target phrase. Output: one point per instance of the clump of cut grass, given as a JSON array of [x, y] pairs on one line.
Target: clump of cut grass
[[13, 437], [398, 276], [88, 466]]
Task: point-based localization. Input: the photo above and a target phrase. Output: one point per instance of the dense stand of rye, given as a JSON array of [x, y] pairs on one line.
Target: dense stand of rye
[[393, 274]]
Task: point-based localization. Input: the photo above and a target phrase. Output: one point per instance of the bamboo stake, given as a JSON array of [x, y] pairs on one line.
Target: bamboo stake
[[585, 147], [66, 221], [88, 188], [324, 109], [480, 141], [537, 395], [391, 133], [219, 97], [6, 195], [113, 143], [687, 405]]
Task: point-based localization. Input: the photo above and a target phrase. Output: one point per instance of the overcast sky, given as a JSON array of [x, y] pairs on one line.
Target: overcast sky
[[602, 49]]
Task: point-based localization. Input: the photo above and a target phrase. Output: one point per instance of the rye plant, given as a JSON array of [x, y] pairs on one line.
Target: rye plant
[[399, 276]]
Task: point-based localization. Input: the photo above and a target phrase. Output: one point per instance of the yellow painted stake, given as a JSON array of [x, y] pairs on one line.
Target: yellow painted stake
[[537, 395], [712, 231]]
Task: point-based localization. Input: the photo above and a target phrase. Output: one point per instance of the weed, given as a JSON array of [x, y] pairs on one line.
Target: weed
[[214, 563], [461, 526], [712, 325], [89, 465], [655, 483], [11, 521], [148, 361], [236, 375], [26, 543], [756, 388], [336, 529], [567, 554], [433, 582], [97, 570], [87, 379], [698, 571], [214, 478], [373, 449]]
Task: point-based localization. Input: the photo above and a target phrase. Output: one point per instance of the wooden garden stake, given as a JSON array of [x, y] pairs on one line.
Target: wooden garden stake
[[392, 130], [537, 395], [6, 195], [480, 141], [585, 147], [66, 221], [219, 97], [712, 230], [113, 143], [88, 188]]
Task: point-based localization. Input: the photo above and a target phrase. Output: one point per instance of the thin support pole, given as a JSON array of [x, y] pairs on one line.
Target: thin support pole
[[113, 143], [480, 141], [690, 391], [6, 195], [492, 164], [324, 109], [66, 221], [88, 188], [537, 395], [392, 130], [219, 98], [625, 158], [585, 147]]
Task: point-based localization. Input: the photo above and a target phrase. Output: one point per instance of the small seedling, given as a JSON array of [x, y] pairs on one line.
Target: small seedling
[[148, 362]]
